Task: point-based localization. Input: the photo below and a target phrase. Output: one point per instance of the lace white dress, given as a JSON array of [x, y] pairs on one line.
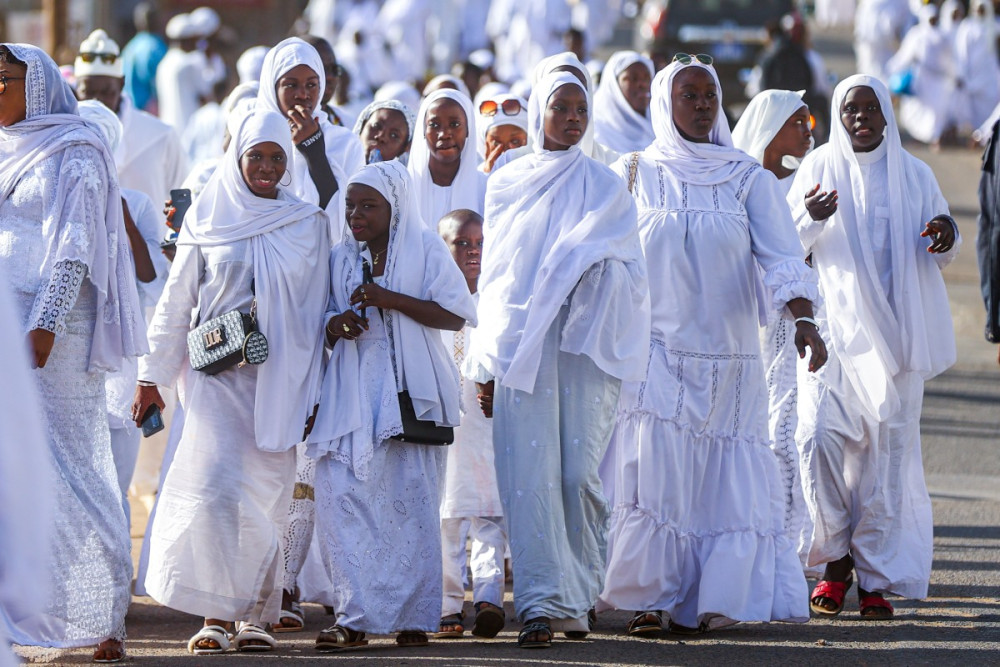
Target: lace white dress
[[90, 567]]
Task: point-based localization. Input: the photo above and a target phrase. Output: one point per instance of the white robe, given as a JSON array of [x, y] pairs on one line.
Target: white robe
[[181, 78], [149, 158], [927, 52]]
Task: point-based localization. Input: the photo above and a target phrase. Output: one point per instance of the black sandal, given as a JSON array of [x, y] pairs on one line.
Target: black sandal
[[538, 627], [645, 624], [338, 638], [489, 620], [450, 627]]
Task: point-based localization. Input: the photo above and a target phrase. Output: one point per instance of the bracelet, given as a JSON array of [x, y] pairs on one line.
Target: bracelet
[[146, 383], [309, 141], [808, 320]]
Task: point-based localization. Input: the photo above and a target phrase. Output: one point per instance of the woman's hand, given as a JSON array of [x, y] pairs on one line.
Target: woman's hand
[[347, 325], [821, 205], [485, 396], [145, 396], [302, 123], [942, 233], [40, 343], [807, 335], [492, 157], [371, 295]]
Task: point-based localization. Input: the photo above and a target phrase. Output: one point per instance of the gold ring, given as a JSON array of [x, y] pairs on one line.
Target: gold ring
[[346, 328]]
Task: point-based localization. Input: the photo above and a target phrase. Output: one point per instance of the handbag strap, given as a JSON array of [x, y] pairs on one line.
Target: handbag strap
[[633, 167]]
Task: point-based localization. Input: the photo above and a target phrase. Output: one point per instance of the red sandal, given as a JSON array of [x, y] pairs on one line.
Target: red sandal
[[874, 607], [834, 591]]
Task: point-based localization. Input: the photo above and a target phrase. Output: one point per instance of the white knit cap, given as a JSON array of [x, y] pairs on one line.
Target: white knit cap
[[180, 27], [206, 21], [99, 44]]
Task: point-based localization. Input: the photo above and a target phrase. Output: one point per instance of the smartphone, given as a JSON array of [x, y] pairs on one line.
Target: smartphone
[[181, 201], [170, 240], [152, 421]]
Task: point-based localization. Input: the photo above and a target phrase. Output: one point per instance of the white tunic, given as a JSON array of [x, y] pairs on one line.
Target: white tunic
[[149, 158]]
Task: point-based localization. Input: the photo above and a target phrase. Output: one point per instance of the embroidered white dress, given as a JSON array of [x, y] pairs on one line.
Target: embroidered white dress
[[698, 522]]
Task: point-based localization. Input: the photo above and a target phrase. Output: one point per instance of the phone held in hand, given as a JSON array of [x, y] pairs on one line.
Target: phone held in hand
[[181, 201], [152, 421]]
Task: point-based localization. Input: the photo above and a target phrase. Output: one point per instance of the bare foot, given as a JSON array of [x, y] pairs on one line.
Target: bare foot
[[110, 650]]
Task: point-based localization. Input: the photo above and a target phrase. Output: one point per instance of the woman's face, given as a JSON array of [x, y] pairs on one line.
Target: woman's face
[[794, 136], [635, 82], [13, 107], [565, 118], [446, 130], [368, 214], [508, 136], [298, 86], [386, 130], [262, 166], [694, 98], [861, 114]]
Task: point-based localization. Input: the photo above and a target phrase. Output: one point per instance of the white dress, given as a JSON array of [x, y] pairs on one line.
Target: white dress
[[698, 522]]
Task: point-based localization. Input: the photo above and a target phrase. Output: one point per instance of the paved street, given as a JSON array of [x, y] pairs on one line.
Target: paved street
[[959, 624]]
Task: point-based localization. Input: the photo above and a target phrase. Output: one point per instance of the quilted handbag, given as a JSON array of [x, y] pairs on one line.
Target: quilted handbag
[[227, 340]]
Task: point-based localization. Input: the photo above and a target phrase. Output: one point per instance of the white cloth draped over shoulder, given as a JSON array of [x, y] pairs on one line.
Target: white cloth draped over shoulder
[[466, 190], [616, 124], [288, 274], [52, 125], [531, 269], [876, 335], [418, 264], [763, 119]]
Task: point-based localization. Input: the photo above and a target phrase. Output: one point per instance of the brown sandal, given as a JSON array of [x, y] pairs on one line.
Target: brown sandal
[[411, 638], [339, 638]]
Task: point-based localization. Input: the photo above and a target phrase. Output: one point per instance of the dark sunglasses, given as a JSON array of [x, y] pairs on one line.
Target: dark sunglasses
[[4, 79], [688, 58], [106, 58], [510, 107]]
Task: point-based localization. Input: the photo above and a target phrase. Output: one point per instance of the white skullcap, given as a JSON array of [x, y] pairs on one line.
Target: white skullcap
[[100, 44], [251, 63], [482, 58], [205, 21], [180, 27]]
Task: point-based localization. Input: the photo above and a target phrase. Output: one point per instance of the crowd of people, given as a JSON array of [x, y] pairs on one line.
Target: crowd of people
[[643, 362]]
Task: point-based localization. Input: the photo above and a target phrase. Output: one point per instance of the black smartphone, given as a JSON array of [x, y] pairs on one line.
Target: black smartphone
[[181, 201], [152, 421]]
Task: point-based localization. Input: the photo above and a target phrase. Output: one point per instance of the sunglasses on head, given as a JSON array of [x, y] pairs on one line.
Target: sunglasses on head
[[510, 107], [106, 58], [688, 58]]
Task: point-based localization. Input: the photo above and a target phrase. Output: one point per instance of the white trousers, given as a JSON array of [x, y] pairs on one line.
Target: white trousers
[[489, 542]]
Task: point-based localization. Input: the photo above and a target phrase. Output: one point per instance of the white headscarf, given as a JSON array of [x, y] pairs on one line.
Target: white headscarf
[[702, 164], [417, 263], [484, 123], [290, 274], [549, 65], [251, 64], [395, 105], [52, 125], [435, 84], [104, 118], [551, 216], [616, 124], [763, 118], [873, 338], [401, 91], [466, 188]]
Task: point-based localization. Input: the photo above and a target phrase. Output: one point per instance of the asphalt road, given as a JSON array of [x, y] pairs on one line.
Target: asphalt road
[[959, 623]]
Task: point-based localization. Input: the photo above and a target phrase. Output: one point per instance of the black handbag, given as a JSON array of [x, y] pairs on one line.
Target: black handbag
[[227, 340], [415, 431]]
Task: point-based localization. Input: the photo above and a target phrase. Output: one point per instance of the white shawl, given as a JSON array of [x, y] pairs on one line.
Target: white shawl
[[52, 125], [616, 124], [289, 243], [558, 221], [876, 335], [763, 119], [418, 264]]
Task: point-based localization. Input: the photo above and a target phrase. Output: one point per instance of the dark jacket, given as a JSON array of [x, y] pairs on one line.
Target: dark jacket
[[988, 242]]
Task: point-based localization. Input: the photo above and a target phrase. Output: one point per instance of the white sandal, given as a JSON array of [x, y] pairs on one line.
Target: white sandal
[[247, 632], [294, 613], [216, 633]]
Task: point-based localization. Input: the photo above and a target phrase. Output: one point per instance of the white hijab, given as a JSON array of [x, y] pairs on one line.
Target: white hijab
[[550, 217], [417, 263], [290, 275], [877, 335], [466, 188], [616, 124], [702, 164], [53, 125], [763, 118], [485, 123], [549, 65]]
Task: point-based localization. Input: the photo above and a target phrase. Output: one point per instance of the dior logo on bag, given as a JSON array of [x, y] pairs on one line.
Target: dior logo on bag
[[225, 341]]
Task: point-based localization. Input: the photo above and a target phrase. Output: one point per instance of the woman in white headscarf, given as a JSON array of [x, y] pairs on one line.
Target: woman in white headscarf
[[621, 103], [697, 529], [292, 83], [502, 126], [977, 66], [774, 130], [393, 286], [443, 162], [564, 312], [386, 131], [250, 246], [64, 251], [859, 419]]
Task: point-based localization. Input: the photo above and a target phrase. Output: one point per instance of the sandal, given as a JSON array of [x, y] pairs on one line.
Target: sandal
[[582, 634], [411, 638], [213, 633], [678, 629], [338, 638], [113, 650], [834, 591], [251, 638], [450, 627], [489, 620], [874, 607], [290, 620], [539, 627], [645, 624]]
